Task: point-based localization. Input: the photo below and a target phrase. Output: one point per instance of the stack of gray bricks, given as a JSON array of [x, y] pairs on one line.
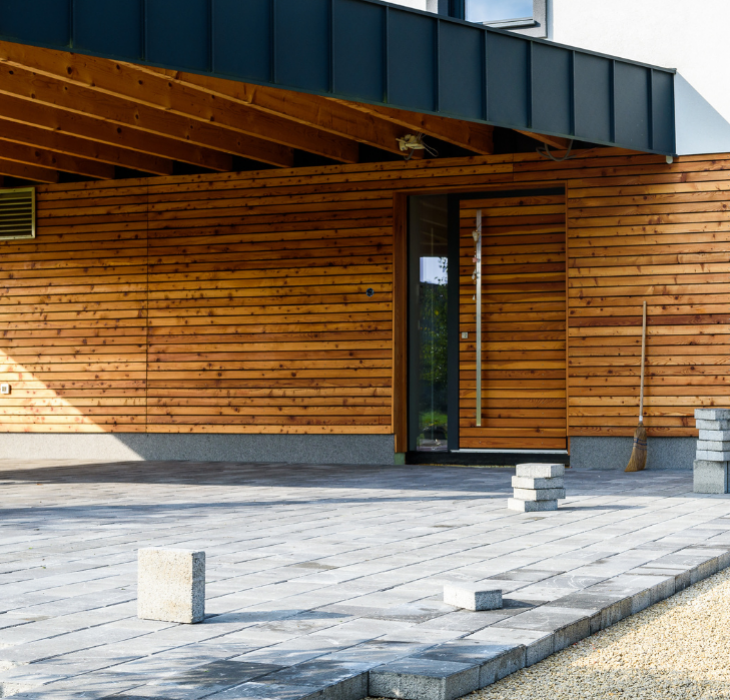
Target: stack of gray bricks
[[713, 450], [537, 487]]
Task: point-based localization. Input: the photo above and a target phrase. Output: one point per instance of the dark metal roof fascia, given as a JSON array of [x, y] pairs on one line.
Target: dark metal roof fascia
[[373, 52]]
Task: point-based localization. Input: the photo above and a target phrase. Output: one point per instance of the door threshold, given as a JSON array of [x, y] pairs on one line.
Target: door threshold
[[488, 458], [510, 452]]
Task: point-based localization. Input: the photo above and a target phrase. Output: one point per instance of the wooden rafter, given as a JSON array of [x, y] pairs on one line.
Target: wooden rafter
[[21, 153], [26, 171], [554, 141], [474, 137], [327, 115], [98, 129], [166, 106], [68, 144]]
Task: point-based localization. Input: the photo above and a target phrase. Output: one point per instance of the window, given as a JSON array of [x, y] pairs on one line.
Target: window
[[487, 11], [530, 15]]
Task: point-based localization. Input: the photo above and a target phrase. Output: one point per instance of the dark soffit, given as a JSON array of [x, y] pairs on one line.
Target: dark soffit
[[372, 52]]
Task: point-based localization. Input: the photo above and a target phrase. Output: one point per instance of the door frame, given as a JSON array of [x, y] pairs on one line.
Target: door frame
[[402, 313]]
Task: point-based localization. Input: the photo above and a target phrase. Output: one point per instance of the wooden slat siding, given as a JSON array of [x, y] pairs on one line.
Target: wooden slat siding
[[289, 254], [265, 325], [73, 326], [523, 324]]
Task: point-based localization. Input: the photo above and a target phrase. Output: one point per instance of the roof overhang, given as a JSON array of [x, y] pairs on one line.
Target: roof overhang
[[375, 53]]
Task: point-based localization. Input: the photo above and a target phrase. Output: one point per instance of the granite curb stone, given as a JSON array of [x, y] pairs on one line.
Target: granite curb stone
[[710, 477], [714, 425], [714, 414], [540, 471], [706, 456]]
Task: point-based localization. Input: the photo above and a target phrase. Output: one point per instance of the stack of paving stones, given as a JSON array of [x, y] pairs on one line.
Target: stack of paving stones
[[537, 487], [713, 450]]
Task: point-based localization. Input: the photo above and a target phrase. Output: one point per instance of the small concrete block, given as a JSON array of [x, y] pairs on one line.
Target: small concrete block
[[531, 506], [712, 424], [721, 435], [539, 494], [424, 679], [705, 456], [540, 471], [712, 413], [171, 585], [524, 482], [710, 477], [713, 445], [473, 596]]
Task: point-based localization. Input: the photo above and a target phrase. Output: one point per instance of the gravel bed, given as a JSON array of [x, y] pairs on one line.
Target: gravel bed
[[679, 648]]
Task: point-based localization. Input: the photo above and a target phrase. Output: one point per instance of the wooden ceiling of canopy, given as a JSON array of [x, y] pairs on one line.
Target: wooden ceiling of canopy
[[68, 113]]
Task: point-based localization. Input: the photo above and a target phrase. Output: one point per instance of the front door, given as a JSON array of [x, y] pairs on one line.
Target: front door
[[512, 365]]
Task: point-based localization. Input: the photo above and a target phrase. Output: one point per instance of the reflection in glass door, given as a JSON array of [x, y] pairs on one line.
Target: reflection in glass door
[[429, 324]]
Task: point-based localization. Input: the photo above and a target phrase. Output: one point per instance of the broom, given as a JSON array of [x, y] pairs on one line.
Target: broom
[[638, 454]]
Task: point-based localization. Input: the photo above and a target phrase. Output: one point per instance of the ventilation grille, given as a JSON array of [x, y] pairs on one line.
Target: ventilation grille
[[17, 214]]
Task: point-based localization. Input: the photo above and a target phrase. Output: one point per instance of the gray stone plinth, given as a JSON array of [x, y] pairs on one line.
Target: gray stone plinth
[[712, 424], [473, 596], [531, 506], [540, 471], [526, 482], [424, 679], [710, 477], [712, 413], [713, 435], [539, 494], [708, 456], [171, 585]]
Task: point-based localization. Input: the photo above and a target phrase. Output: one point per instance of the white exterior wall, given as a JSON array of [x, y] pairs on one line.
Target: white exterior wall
[[689, 35]]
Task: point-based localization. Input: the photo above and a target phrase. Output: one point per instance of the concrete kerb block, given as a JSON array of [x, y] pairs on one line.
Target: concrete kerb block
[[171, 585], [710, 477], [540, 471], [424, 679], [712, 425], [519, 482], [706, 456], [531, 506], [713, 414], [473, 596], [539, 494], [715, 435]]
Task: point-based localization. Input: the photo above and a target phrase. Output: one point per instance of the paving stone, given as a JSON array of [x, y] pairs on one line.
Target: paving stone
[[531, 506], [557, 482], [714, 414], [710, 477], [715, 435], [475, 596], [540, 471], [714, 425], [706, 456], [424, 679], [713, 445], [171, 585], [539, 494]]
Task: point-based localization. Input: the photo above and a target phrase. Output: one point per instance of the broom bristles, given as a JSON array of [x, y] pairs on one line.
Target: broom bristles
[[637, 463]]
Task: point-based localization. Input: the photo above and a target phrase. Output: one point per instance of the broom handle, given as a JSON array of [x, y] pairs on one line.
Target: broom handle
[[643, 361]]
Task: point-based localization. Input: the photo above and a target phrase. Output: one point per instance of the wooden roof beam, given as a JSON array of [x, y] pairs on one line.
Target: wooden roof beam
[[313, 110], [155, 98], [25, 171], [79, 124], [192, 137], [553, 141], [21, 153], [478, 138], [75, 146]]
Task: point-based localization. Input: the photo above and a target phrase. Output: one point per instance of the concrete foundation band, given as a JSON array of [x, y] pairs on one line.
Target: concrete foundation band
[[585, 453]]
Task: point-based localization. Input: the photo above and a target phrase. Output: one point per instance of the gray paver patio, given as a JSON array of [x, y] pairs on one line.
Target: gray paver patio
[[317, 575]]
